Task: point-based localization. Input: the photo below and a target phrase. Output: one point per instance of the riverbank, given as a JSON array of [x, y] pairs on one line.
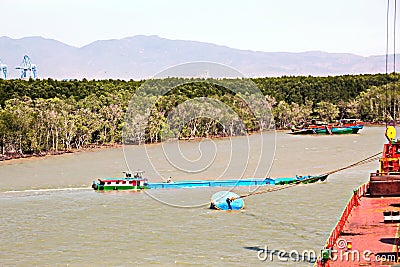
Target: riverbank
[[44, 154], [375, 124], [18, 156]]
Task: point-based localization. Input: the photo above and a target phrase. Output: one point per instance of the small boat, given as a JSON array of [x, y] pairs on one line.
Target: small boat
[[354, 124], [334, 130], [226, 200], [341, 130], [302, 131], [344, 126], [323, 130], [139, 183], [136, 182]]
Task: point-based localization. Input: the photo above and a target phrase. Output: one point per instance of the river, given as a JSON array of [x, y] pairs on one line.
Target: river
[[51, 217]]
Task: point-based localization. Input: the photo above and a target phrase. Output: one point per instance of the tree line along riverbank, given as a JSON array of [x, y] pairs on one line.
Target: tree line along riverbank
[[51, 116]]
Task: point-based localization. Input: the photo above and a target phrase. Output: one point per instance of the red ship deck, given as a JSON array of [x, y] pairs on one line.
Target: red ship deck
[[372, 240]]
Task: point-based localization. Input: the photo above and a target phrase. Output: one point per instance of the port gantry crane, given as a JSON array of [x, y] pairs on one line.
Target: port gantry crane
[[3, 71], [26, 66]]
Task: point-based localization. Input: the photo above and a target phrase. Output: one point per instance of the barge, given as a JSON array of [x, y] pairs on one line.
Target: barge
[[137, 182]]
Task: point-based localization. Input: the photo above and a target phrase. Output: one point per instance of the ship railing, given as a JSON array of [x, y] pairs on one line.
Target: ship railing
[[335, 234], [377, 174]]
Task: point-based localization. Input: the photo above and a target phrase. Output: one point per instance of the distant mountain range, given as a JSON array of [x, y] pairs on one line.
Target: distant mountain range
[[141, 57]]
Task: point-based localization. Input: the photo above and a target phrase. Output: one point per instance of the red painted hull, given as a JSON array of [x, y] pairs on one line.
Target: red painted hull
[[367, 233], [372, 241]]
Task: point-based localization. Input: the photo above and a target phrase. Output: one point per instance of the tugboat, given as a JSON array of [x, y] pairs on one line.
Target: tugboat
[[136, 182], [367, 233]]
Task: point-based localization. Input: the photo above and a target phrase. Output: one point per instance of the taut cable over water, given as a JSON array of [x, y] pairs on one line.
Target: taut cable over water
[[218, 200], [358, 163]]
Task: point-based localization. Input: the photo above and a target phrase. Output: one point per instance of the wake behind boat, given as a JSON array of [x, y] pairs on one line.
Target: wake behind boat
[[138, 182]]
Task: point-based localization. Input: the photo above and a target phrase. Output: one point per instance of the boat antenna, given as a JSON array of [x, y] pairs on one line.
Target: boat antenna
[[386, 61], [391, 110], [394, 62]]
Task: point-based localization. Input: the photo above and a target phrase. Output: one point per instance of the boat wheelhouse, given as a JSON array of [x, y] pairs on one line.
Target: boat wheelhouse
[[129, 182], [386, 181]]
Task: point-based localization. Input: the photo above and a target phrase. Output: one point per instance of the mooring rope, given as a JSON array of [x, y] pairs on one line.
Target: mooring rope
[[358, 163], [272, 189], [278, 188]]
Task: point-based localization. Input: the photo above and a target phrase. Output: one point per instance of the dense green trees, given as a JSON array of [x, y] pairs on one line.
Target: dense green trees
[[50, 115]]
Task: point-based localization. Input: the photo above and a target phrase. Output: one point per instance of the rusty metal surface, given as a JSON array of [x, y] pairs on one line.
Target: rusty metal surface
[[384, 185], [368, 234]]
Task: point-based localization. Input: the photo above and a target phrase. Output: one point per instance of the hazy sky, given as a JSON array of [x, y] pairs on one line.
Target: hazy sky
[[354, 26]]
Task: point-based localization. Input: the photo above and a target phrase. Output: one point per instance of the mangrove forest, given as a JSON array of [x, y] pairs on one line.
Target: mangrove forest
[[41, 116]]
